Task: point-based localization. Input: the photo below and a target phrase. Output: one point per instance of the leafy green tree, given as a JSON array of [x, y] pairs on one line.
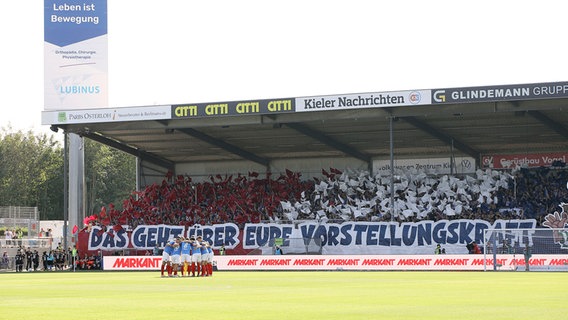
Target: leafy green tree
[[31, 172], [110, 176]]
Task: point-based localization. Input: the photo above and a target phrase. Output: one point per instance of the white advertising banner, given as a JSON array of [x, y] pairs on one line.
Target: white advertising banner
[[364, 100], [106, 115], [75, 54], [428, 165], [354, 262]]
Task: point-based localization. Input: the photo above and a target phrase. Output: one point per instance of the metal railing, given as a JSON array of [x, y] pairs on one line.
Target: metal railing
[[26, 242]]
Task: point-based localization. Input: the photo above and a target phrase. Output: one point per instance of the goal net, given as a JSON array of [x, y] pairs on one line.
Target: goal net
[[311, 246], [526, 249]]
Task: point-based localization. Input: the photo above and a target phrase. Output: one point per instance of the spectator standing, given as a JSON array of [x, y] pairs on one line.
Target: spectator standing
[[14, 241], [44, 261], [35, 260], [74, 256], [438, 249], [8, 235], [50, 260], [19, 261], [5, 260], [20, 235], [476, 249], [29, 257]]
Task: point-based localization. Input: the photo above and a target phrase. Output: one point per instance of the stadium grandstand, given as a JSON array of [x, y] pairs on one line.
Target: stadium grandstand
[[480, 153]]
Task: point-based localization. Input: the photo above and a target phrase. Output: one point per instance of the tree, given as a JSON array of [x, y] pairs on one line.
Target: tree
[[110, 176], [31, 172]]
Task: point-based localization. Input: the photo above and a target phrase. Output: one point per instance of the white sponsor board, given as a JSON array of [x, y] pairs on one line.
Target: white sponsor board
[[353, 262], [106, 115], [428, 165], [363, 100]]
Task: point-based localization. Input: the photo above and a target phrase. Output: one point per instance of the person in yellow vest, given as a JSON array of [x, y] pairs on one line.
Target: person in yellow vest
[[438, 249], [74, 254]]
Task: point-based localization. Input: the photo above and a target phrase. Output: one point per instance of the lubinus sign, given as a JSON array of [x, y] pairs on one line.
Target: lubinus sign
[[75, 54]]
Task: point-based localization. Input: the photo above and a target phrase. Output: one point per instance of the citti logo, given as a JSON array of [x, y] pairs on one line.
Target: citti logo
[[440, 96]]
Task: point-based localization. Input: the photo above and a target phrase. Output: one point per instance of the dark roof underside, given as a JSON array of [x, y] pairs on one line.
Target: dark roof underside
[[422, 131]]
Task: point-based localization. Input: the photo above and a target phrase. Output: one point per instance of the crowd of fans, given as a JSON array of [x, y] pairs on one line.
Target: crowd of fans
[[537, 191], [342, 196], [335, 196]]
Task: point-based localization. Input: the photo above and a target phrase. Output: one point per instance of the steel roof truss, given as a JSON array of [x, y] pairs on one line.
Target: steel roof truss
[[225, 146]]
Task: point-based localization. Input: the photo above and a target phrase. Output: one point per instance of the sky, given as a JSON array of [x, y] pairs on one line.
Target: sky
[[179, 51]]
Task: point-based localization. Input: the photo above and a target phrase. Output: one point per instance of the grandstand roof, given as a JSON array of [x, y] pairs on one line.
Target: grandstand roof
[[476, 121]]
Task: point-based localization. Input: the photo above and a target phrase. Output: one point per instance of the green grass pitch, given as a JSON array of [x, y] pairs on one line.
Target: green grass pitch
[[285, 295]]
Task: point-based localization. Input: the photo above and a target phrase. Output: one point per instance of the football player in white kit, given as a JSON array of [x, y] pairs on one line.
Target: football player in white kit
[[210, 256], [195, 255], [185, 256], [176, 256], [168, 248], [204, 259]]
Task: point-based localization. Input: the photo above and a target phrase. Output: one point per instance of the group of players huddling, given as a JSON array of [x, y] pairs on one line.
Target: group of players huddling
[[191, 255]]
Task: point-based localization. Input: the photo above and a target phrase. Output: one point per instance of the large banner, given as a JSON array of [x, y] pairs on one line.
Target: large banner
[[75, 54], [321, 238]]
